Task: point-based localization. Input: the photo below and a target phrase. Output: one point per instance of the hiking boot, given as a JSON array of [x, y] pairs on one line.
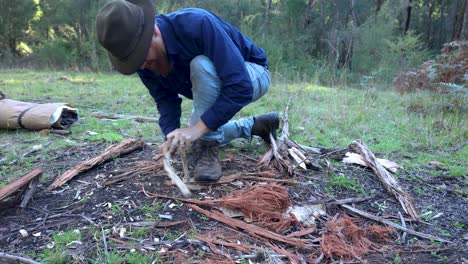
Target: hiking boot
[[266, 124], [207, 166]]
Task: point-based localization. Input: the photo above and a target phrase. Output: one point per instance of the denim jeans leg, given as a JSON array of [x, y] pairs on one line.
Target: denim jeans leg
[[206, 87]]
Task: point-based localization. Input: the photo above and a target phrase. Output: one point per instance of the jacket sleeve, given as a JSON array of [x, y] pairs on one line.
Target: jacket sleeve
[[168, 102], [236, 91]]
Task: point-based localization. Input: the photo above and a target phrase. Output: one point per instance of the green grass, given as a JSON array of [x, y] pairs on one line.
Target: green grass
[[393, 126], [57, 254], [409, 129], [346, 183]]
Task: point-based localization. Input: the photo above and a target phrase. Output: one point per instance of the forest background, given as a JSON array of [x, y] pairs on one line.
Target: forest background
[[336, 42]]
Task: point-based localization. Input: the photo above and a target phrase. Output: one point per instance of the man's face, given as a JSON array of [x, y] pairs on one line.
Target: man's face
[[156, 60]]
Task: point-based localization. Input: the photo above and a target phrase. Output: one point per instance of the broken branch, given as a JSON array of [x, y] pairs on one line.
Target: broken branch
[[124, 147], [173, 175], [141, 119], [390, 182], [389, 223], [30, 192]]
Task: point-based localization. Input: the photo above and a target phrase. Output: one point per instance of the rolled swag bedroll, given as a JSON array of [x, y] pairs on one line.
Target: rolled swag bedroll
[[33, 116]]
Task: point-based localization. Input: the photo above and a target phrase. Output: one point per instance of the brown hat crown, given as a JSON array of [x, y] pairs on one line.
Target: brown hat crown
[[124, 29]]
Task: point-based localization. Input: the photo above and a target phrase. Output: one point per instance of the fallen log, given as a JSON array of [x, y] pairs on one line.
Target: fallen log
[[388, 180], [13, 187], [124, 147], [141, 119], [390, 223]]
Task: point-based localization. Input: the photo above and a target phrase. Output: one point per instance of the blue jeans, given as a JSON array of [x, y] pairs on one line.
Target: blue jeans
[[206, 87]]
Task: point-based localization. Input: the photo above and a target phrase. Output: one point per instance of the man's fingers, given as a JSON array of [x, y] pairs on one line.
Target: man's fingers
[[175, 140]]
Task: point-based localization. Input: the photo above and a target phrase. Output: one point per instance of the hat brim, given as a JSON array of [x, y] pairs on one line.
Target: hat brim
[[133, 62]]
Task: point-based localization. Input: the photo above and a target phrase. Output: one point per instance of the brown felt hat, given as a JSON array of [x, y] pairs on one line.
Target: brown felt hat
[[125, 29]]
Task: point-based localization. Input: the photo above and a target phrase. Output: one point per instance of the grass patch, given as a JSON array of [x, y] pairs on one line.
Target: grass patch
[[345, 183], [392, 125], [57, 254]]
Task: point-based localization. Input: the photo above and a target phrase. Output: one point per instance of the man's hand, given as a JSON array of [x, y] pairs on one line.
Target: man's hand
[[184, 137]]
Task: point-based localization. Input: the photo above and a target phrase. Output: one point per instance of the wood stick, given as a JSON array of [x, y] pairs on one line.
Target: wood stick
[[183, 157], [16, 259], [141, 119], [173, 175], [340, 202], [389, 223], [388, 180], [11, 188], [285, 129], [124, 147], [30, 192]]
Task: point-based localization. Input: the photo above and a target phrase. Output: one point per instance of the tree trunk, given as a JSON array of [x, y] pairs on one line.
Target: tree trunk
[[408, 17], [354, 25], [266, 26], [464, 31], [458, 22], [321, 29], [308, 13], [378, 6], [429, 38]]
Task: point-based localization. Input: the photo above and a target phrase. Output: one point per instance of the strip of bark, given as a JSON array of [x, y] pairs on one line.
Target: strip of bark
[[390, 223], [141, 119], [300, 243], [388, 180], [124, 147], [13, 187]]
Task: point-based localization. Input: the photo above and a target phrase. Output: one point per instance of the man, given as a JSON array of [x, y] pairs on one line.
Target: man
[[196, 54]]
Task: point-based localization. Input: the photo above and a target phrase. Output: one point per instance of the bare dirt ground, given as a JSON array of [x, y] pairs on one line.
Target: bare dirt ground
[[86, 205]]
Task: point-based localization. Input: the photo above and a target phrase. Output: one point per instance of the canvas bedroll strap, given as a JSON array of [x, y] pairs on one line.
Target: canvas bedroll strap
[[16, 114]]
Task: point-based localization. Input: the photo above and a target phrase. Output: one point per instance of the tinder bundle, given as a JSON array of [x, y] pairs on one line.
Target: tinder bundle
[[16, 114], [345, 239], [263, 204]]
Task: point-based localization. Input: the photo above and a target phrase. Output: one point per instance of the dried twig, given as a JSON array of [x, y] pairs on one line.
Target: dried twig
[[389, 223], [30, 192], [342, 201], [105, 243], [389, 181], [173, 175], [141, 119], [122, 148], [183, 157], [403, 224], [16, 259]]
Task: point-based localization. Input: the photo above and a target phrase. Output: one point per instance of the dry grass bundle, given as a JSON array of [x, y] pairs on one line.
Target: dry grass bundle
[[345, 239], [264, 204]]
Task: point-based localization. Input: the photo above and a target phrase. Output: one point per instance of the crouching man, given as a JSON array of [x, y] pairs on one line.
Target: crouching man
[[196, 54]]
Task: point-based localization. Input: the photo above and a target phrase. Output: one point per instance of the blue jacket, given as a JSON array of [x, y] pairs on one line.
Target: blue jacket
[[191, 32]]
